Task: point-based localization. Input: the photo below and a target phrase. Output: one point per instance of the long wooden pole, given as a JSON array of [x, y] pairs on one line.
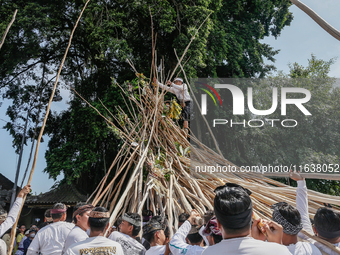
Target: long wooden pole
[[320, 21], [13, 232], [8, 27]]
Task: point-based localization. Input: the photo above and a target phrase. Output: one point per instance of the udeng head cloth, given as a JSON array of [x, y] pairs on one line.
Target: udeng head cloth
[[56, 211], [95, 214], [132, 221], [83, 209]]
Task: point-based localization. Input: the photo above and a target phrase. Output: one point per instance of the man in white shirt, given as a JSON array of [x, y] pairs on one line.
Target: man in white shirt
[[7, 221], [290, 220], [153, 232], [129, 229], [178, 243], [233, 209], [326, 221], [99, 219], [180, 89], [50, 239], [81, 219]]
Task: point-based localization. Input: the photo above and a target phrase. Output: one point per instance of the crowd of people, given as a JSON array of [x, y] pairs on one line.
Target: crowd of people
[[231, 228]]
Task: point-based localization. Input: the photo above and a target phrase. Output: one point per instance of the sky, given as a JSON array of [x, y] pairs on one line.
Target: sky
[[296, 43]]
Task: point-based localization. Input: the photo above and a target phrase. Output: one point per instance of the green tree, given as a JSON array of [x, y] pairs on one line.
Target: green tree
[[81, 145]]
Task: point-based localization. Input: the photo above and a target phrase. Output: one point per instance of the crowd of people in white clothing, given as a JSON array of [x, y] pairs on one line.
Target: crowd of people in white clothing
[[231, 228]]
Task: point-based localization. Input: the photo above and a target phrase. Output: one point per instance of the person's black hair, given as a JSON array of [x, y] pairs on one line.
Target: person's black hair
[[43, 224], [217, 238], [117, 223], [47, 213], [291, 214], [232, 201], [195, 238], [167, 231], [208, 215], [327, 220], [75, 209], [56, 216], [146, 245], [98, 224], [183, 217], [147, 213], [151, 235]]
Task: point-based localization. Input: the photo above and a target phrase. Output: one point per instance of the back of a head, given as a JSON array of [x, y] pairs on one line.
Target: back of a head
[[233, 209], [150, 229], [194, 236], [327, 223], [60, 208], [183, 217], [48, 215], [147, 215], [288, 217], [98, 219]]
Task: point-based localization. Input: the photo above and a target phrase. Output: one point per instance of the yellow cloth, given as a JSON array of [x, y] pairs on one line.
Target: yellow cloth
[[18, 240]]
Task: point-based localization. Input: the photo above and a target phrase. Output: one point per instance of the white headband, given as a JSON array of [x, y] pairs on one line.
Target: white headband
[[178, 79]]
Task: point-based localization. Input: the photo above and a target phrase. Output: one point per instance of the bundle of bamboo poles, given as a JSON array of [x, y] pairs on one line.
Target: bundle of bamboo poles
[[153, 167]]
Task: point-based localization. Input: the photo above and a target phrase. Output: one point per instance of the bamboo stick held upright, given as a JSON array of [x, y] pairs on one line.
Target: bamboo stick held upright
[[7, 29], [43, 127]]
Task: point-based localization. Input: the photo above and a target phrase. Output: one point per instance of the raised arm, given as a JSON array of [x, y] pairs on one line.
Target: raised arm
[[177, 244], [14, 212], [302, 201]]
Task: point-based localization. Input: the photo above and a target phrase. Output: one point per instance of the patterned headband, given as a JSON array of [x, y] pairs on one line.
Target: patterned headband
[[288, 228], [55, 211], [83, 209], [132, 221], [95, 214], [211, 228]]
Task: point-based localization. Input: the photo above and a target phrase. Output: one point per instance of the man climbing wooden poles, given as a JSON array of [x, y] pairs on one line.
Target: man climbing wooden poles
[[180, 89]]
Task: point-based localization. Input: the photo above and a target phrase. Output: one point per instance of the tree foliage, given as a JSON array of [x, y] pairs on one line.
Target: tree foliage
[[81, 146], [314, 140]]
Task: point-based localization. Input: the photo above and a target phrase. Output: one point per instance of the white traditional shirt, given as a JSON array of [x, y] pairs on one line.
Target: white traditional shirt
[[179, 246], [246, 245], [302, 206], [76, 235], [130, 246], [303, 248], [50, 239], [156, 250], [95, 245], [204, 237], [3, 247], [177, 90], [11, 217]]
